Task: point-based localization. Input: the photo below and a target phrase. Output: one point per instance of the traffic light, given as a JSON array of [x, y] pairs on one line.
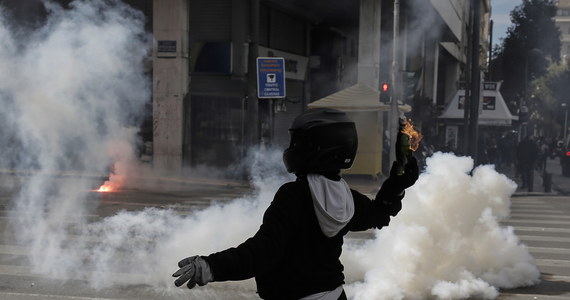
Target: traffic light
[[385, 92]]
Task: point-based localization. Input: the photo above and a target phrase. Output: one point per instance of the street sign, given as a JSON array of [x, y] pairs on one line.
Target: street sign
[[270, 77], [166, 49]]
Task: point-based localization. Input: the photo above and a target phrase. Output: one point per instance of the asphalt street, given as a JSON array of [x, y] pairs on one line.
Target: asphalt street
[[540, 219]]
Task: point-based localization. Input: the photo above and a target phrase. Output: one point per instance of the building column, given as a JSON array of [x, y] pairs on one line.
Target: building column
[[170, 82], [431, 66], [369, 43]]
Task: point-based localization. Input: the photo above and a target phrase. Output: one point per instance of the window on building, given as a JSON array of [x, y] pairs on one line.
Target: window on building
[[211, 57], [216, 130], [488, 103], [489, 86]]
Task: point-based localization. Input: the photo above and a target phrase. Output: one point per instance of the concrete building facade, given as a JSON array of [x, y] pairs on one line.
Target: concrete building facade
[[562, 20], [205, 109]]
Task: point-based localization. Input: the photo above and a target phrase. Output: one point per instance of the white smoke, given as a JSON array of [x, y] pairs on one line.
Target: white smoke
[[447, 242], [70, 95], [143, 247]]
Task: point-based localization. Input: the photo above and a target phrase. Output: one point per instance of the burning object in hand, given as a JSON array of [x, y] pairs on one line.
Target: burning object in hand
[[407, 141], [414, 136]]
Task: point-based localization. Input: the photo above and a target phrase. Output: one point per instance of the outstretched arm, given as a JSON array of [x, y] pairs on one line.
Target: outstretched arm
[[255, 255]]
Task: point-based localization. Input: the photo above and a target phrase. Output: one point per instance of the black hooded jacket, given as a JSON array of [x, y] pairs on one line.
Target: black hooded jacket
[[289, 256]]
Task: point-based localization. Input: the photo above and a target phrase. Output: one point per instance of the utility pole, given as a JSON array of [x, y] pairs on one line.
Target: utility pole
[[395, 83], [252, 106], [490, 66], [467, 87], [475, 81], [565, 106]]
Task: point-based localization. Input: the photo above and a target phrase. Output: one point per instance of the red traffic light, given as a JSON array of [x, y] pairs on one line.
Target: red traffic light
[[385, 92]]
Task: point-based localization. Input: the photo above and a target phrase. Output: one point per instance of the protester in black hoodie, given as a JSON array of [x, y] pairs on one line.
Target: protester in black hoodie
[[295, 253]]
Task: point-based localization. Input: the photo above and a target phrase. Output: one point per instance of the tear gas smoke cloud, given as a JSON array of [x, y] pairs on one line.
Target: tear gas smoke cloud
[[69, 96], [72, 93], [446, 242]]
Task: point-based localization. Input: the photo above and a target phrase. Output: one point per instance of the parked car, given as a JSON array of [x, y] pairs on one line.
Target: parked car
[[565, 158]]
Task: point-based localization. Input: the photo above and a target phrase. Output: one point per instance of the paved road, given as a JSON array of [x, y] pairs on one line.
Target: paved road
[[541, 221], [543, 224], [560, 185], [19, 282]]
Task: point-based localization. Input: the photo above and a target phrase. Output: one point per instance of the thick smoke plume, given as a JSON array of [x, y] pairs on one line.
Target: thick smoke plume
[[447, 242], [71, 95]]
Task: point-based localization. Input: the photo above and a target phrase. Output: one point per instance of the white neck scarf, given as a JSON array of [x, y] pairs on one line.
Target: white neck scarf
[[333, 203]]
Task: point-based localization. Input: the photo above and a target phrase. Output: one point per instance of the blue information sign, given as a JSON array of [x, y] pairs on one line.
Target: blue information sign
[[270, 77]]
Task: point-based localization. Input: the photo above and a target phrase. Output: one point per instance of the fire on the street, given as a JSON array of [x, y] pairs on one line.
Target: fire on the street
[[112, 185], [106, 187], [115, 182], [414, 135]]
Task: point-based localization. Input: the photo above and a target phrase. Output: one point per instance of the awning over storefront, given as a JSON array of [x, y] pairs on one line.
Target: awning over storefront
[[493, 110], [358, 97], [361, 104]]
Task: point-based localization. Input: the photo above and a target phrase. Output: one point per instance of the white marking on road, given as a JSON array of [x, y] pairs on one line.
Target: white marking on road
[[552, 263], [544, 238], [15, 296], [557, 215], [23, 271], [530, 297], [549, 250], [552, 222], [542, 229], [533, 212]]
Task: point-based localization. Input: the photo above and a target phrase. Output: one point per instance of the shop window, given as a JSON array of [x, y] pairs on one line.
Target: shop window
[[488, 103]]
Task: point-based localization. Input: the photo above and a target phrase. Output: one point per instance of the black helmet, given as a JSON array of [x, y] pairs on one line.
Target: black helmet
[[322, 139]]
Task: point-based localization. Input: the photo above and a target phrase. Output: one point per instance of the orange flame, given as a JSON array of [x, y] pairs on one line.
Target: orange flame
[[415, 136], [106, 187], [114, 183]]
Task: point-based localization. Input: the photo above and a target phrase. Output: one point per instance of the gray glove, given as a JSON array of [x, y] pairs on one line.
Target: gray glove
[[195, 270]]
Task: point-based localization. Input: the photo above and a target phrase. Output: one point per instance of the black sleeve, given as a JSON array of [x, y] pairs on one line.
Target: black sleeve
[[261, 252], [390, 198], [375, 214]]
